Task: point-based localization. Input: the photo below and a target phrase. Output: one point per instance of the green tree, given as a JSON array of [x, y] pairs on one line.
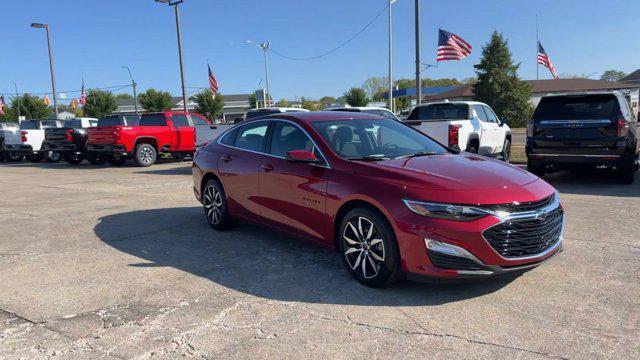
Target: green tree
[[9, 115], [99, 103], [374, 86], [498, 83], [283, 103], [31, 107], [356, 97], [153, 100], [613, 75], [252, 101], [124, 96], [209, 106], [309, 104]]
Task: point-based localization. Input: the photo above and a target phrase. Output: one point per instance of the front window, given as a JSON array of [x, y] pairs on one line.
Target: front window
[[438, 112], [288, 137], [180, 121], [372, 139]]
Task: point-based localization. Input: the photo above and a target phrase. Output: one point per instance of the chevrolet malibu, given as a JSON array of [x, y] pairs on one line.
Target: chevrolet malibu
[[392, 201]]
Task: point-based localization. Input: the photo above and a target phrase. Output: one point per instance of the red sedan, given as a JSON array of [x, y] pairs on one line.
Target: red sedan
[[393, 201]]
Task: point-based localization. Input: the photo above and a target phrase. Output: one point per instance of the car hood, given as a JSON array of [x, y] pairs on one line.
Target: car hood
[[449, 172]]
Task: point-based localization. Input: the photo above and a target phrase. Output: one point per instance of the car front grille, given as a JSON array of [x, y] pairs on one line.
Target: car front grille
[[526, 236]]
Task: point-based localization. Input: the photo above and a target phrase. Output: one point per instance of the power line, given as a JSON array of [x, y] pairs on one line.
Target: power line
[[336, 48]]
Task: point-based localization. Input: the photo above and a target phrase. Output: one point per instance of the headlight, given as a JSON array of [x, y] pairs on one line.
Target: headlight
[[446, 211]]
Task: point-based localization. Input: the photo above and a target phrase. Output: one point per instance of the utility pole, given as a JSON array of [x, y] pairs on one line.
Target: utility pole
[[418, 63], [53, 77], [175, 4], [265, 49], [17, 100], [133, 84], [390, 87]]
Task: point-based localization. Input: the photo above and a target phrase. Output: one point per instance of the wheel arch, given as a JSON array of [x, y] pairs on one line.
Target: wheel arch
[[353, 204], [146, 140], [205, 179]]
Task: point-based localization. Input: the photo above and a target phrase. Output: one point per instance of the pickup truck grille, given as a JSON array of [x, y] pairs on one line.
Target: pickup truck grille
[[525, 237]]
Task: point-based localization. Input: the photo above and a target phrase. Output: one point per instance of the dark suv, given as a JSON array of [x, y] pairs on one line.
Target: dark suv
[[577, 130]]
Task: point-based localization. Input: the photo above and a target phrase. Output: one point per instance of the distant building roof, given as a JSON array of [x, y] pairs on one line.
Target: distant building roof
[[544, 86], [634, 76]]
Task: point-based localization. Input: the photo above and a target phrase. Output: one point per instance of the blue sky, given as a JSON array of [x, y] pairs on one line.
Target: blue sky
[[92, 39]]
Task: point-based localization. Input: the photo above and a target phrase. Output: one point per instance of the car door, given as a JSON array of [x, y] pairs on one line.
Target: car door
[[186, 133], [242, 153], [293, 194], [498, 134], [487, 131]]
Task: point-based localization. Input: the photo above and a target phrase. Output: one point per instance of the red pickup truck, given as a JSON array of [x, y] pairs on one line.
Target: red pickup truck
[[158, 133]]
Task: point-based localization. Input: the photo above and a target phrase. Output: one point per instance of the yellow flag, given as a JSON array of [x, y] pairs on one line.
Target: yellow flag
[[47, 101], [74, 103]]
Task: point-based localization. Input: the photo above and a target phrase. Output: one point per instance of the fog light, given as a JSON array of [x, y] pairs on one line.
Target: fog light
[[449, 249]]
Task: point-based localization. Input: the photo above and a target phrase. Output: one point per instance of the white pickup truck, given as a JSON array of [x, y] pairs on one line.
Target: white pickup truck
[[466, 125], [27, 140]]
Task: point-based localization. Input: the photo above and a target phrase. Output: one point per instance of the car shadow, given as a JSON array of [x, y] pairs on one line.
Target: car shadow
[[261, 262], [181, 170], [601, 182], [86, 165]]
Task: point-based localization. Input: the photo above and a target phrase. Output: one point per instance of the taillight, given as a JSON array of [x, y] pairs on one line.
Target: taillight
[[531, 129], [24, 136], [116, 132], [623, 127], [453, 135], [68, 135]]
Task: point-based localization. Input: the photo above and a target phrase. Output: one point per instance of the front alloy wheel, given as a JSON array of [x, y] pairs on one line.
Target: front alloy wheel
[[369, 247]]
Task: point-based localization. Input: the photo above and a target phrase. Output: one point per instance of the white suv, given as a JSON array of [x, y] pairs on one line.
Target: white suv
[[467, 125]]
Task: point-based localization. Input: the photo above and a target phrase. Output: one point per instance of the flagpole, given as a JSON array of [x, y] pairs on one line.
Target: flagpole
[[537, 44]]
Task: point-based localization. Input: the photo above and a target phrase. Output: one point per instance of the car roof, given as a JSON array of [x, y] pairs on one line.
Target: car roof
[[357, 108], [282, 109], [583, 93], [317, 116], [452, 103]]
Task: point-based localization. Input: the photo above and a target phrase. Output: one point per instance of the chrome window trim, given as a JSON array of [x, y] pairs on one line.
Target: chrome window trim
[[327, 166]]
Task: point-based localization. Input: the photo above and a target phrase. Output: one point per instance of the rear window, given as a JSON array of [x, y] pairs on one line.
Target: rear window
[[153, 120], [49, 124], [29, 125], [74, 124], [262, 112], [577, 107], [110, 121], [440, 112]]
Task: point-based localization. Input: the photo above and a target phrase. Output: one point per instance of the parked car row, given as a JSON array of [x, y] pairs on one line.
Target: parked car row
[[113, 139]]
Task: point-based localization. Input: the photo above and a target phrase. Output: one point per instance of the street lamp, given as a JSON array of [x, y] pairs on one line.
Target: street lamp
[[391, 107], [53, 77], [175, 4], [133, 84], [265, 48]]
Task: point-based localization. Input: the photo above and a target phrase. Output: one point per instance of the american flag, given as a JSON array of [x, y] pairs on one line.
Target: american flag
[[452, 47], [83, 96], [1, 105], [544, 59], [213, 83]]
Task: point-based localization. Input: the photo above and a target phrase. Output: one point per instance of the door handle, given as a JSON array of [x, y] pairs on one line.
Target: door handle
[[226, 158], [267, 167]]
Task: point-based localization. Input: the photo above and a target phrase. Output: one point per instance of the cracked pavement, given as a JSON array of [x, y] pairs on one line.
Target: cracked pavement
[[103, 263]]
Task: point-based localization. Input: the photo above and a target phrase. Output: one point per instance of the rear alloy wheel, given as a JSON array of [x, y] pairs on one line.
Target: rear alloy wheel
[[73, 158], [506, 151], [53, 156], [14, 157], [116, 159], [215, 206], [369, 247], [145, 155], [35, 158], [95, 158]]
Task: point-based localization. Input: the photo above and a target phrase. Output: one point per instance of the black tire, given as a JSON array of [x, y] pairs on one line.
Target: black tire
[[1, 154], [535, 169], [14, 157], [53, 156], [369, 248], [35, 158], [95, 158], [116, 160], [73, 158], [506, 150], [214, 202], [627, 170], [145, 155]]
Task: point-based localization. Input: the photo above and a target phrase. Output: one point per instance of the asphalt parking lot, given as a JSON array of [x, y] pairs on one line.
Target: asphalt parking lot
[[120, 263]]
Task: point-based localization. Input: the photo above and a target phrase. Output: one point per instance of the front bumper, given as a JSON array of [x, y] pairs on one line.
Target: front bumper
[[444, 249]]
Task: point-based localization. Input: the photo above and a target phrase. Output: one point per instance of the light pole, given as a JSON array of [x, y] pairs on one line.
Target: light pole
[[53, 77], [17, 100], [418, 63], [175, 4], [391, 104], [133, 84], [265, 49]]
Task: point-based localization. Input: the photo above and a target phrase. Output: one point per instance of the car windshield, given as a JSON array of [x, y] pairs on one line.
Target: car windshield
[[49, 124], [73, 124], [375, 139], [438, 112], [577, 107]]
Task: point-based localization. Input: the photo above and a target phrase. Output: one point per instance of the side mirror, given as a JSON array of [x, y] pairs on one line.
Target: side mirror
[[301, 156], [212, 127]]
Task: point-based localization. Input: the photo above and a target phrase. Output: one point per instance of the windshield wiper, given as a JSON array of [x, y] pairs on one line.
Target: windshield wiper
[[418, 154], [370, 158]]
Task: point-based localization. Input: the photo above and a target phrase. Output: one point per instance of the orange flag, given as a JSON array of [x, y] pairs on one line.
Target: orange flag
[[47, 101], [74, 103]]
